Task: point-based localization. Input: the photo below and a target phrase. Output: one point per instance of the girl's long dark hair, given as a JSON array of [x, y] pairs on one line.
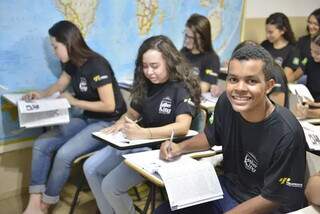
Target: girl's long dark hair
[[69, 34], [282, 22], [177, 66]]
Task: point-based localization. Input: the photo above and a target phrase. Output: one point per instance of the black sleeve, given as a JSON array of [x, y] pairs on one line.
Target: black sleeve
[[293, 59], [101, 73], [213, 130], [136, 106], [284, 180], [67, 67], [210, 69], [184, 103]]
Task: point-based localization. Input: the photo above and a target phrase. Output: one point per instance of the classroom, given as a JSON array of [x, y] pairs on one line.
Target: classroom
[[117, 106]]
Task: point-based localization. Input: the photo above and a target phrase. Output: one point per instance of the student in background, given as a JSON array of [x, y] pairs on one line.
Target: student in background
[[312, 68], [165, 97], [261, 143], [96, 92], [200, 53], [308, 110], [280, 92], [281, 45], [313, 28], [312, 191]]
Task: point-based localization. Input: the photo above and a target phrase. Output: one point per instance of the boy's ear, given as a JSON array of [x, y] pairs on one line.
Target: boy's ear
[[270, 84]]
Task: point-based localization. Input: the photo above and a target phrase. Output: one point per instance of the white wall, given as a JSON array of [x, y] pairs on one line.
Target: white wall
[[263, 8]]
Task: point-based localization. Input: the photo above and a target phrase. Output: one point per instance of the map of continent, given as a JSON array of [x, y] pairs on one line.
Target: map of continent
[[82, 13], [113, 28]]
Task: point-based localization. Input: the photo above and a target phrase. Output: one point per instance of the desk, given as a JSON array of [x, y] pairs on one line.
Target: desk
[[156, 181], [137, 143]]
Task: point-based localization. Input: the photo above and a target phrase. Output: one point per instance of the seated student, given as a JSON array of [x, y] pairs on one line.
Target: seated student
[[165, 96], [313, 28], [280, 92], [200, 53], [281, 45], [312, 191], [261, 143], [312, 68], [96, 92]]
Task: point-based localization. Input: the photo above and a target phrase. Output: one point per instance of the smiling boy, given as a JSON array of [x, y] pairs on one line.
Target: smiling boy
[[263, 144]]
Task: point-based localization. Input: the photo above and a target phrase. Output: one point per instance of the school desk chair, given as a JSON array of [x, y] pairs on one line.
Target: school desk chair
[[198, 124], [80, 182]]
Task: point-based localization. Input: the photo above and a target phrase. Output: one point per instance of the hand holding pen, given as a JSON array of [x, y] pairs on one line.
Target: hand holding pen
[[132, 130], [169, 150]]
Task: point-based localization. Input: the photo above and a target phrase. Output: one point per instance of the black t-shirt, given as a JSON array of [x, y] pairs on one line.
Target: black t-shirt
[[265, 158], [312, 70], [303, 46], [280, 85], [94, 73], [287, 56], [206, 65], [164, 104]]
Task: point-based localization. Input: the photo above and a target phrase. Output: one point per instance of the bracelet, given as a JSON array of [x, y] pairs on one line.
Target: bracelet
[[150, 133]]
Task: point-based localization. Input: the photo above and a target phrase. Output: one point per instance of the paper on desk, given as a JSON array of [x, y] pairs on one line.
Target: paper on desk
[[208, 97], [15, 97], [301, 90], [119, 140]]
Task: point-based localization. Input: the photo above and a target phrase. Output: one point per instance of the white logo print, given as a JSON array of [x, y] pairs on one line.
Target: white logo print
[[83, 84], [165, 106], [250, 162], [279, 60]]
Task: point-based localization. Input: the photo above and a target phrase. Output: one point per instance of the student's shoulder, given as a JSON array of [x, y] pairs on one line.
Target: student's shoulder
[[288, 121], [266, 44], [303, 39]]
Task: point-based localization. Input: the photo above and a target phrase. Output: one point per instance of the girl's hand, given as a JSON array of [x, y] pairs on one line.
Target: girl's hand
[[215, 90], [133, 131], [71, 99], [32, 96]]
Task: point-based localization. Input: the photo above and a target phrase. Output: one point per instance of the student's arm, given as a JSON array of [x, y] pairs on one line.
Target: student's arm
[[58, 86], [180, 127], [312, 190], [256, 205], [313, 113], [204, 86], [169, 150], [278, 97], [105, 104], [289, 74]]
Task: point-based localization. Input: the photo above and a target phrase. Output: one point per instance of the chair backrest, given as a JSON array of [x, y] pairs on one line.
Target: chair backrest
[[126, 96], [199, 121]]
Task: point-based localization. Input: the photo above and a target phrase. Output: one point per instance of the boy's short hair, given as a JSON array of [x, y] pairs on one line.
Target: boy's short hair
[[256, 52]]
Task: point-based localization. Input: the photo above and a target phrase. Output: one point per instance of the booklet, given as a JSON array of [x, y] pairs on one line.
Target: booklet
[[188, 182], [43, 112], [47, 111], [312, 134]]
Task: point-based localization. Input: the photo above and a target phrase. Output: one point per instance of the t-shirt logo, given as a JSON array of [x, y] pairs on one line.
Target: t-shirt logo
[[279, 60], [295, 61], [83, 86], [165, 106], [250, 162], [210, 72], [99, 78]]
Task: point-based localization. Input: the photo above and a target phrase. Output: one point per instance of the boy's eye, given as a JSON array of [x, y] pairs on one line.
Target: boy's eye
[[232, 79], [252, 82]]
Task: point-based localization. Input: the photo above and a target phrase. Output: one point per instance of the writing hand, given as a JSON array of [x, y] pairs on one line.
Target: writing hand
[[169, 150]]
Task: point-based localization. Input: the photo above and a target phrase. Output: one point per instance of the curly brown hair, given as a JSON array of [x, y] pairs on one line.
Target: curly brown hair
[[177, 66]]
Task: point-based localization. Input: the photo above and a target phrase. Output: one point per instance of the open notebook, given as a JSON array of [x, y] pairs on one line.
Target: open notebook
[[188, 182]]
